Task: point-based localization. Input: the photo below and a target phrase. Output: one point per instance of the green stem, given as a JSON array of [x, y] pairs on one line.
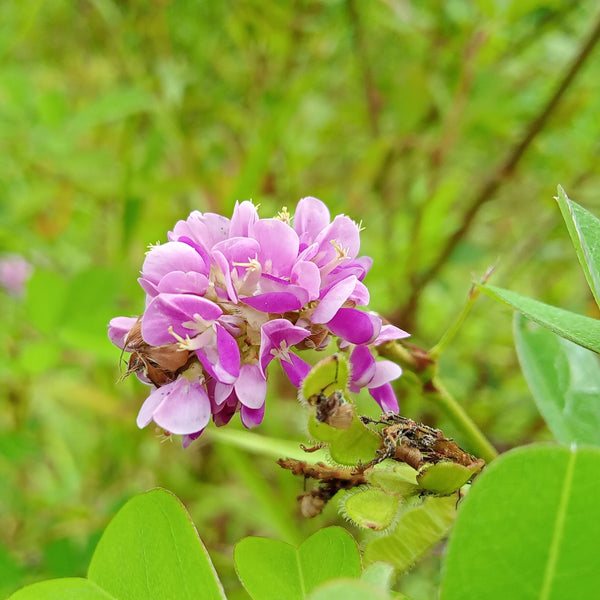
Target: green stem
[[398, 354], [451, 332], [474, 437]]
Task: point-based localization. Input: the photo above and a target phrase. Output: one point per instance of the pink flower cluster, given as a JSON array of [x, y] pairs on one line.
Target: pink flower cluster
[[224, 297]]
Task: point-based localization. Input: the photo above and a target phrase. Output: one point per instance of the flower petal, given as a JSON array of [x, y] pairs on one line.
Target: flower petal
[[334, 298], [152, 402], [187, 439], [186, 408], [385, 397], [225, 412], [238, 249], [118, 328], [251, 386], [252, 417], [306, 275], [172, 256], [310, 218], [360, 295], [150, 288], [355, 326], [205, 229], [390, 332], [344, 233], [219, 355], [180, 282], [274, 302], [229, 351], [363, 366], [223, 265], [296, 370], [276, 337], [244, 217], [385, 371], [279, 246], [221, 392], [173, 310]]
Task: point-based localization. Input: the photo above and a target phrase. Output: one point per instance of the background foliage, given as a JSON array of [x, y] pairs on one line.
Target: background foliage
[[118, 118]]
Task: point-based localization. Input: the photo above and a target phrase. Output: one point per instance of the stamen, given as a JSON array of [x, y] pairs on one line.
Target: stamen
[[284, 215], [283, 352], [251, 265]]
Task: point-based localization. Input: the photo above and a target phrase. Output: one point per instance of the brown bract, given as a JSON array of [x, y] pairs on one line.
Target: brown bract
[[160, 364], [332, 480]]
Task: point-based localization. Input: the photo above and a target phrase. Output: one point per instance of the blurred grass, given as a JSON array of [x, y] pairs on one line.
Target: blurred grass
[[118, 118]]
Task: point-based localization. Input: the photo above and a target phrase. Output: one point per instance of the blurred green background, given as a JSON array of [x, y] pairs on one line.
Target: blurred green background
[[117, 118]]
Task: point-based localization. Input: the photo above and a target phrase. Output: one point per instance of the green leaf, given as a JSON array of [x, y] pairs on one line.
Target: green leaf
[[529, 528], [154, 542], [577, 328], [149, 550], [584, 229], [270, 569], [564, 379], [72, 588], [418, 530], [348, 589]]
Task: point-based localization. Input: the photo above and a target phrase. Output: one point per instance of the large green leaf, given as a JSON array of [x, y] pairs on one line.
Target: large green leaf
[[577, 328], [72, 588], [149, 550], [154, 542], [271, 570], [564, 379], [584, 229], [529, 528]]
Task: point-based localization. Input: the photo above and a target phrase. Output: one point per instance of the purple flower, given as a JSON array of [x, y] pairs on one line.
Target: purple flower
[[182, 406], [14, 273], [224, 298], [365, 372]]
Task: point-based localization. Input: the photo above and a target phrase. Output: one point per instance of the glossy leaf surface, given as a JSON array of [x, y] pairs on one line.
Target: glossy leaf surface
[[584, 229], [528, 529], [564, 379], [578, 328]]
